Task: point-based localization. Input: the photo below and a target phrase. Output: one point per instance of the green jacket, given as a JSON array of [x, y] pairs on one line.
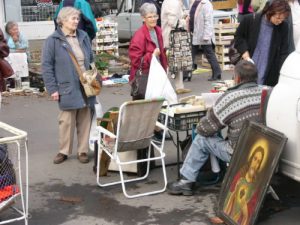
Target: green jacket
[[87, 21]]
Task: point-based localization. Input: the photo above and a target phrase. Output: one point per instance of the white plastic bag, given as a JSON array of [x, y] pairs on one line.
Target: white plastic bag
[[93, 131], [158, 83]]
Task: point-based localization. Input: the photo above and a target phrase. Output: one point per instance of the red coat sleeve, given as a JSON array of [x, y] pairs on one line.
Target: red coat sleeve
[[4, 50]]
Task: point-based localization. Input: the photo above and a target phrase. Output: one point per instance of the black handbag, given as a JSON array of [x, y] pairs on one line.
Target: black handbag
[[139, 84], [234, 55]]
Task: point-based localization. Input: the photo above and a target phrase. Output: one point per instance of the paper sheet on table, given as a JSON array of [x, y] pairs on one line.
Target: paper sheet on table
[[210, 98], [19, 63]]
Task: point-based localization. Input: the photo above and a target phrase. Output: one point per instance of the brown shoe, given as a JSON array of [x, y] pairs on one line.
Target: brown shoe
[[59, 158], [83, 158], [182, 91]]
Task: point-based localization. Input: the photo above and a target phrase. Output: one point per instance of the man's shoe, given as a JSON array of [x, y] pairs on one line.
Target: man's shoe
[[59, 158], [83, 158], [182, 91], [180, 187]]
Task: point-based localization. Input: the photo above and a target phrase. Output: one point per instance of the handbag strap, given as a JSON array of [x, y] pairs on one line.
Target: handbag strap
[[76, 65], [140, 66]]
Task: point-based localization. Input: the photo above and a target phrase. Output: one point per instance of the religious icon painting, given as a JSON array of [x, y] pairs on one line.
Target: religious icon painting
[[248, 176]]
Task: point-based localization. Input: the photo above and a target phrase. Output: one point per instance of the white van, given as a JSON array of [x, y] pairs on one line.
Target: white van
[[129, 19]]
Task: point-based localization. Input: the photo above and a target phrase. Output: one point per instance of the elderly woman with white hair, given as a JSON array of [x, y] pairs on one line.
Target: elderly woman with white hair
[[147, 41], [63, 85]]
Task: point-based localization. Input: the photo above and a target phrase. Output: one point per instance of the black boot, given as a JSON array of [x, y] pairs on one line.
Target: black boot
[[213, 78]]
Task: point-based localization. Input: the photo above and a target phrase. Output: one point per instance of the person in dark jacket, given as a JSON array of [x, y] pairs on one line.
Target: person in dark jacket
[[263, 39], [87, 19], [63, 85], [4, 52]]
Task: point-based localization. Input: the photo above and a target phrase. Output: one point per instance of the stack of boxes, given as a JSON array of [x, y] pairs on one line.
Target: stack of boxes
[[224, 33]]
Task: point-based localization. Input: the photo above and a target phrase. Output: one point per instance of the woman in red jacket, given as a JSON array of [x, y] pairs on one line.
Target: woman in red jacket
[[146, 42]]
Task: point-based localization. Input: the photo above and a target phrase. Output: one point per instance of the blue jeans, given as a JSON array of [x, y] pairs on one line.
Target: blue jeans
[[199, 152]]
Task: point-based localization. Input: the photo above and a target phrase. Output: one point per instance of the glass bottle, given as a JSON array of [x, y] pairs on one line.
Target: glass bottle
[[18, 81]]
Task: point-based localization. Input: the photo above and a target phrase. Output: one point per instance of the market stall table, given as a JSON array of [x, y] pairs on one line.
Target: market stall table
[[182, 122]]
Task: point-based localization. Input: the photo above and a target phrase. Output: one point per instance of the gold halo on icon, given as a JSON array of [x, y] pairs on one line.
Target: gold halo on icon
[[265, 145]]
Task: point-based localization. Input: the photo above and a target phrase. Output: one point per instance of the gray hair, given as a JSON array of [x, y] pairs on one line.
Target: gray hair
[[147, 8], [65, 13], [9, 26], [247, 71]]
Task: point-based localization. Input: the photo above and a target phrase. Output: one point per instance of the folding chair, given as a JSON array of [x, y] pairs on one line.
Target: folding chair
[[136, 123]]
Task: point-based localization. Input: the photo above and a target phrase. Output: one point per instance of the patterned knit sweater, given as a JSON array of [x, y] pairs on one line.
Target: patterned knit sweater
[[231, 110]]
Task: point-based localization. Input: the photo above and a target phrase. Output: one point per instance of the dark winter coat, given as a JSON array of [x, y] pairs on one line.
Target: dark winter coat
[[59, 72], [246, 37]]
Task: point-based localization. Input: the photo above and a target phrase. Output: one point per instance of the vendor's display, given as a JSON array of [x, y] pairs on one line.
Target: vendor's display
[[183, 115], [222, 86], [107, 37]]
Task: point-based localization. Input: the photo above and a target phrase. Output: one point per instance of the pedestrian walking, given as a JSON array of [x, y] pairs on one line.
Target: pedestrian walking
[[173, 15]]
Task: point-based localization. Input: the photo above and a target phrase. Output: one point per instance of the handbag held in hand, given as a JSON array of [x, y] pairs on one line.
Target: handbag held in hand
[[139, 84], [234, 55], [88, 79]]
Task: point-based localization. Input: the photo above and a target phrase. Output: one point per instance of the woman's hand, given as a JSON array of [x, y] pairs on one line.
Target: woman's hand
[[246, 55], [15, 37], [156, 52], [55, 96]]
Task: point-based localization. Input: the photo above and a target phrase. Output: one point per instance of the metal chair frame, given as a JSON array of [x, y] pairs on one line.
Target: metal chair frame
[[19, 136], [114, 154]]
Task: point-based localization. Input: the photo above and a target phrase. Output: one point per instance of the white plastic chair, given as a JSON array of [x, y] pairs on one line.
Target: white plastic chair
[[136, 123]]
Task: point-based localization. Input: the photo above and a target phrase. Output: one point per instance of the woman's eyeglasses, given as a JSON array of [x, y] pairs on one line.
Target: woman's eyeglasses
[[152, 17]]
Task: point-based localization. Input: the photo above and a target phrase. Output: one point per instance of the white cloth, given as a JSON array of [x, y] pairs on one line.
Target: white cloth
[[19, 64], [215, 167]]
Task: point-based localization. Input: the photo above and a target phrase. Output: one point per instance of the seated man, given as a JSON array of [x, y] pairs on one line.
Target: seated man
[[230, 110]]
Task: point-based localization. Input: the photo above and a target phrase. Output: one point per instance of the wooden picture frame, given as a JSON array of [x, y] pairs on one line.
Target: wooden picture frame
[[247, 179]]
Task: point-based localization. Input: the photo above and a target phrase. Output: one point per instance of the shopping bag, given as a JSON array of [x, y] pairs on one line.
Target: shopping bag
[[158, 83], [180, 51]]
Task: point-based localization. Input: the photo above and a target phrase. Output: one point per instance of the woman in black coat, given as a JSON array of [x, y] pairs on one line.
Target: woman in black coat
[[263, 39]]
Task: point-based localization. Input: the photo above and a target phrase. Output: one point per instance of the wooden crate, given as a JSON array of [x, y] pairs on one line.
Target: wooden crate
[[222, 49], [224, 33], [224, 4], [225, 28], [224, 65]]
